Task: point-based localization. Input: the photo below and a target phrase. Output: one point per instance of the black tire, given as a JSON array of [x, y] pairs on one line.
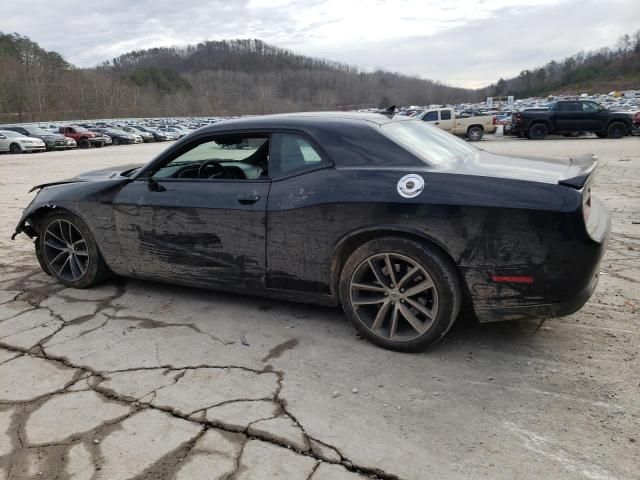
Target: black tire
[[115, 141], [99, 145], [84, 143], [15, 148], [616, 130], [440, 269], [538, 131], [601, 134], [96, 271], [474, 133]]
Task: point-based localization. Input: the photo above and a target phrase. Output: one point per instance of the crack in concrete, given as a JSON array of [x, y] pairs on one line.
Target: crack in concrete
[[345, 462], [35, 296], [238, 460], [148, 323]]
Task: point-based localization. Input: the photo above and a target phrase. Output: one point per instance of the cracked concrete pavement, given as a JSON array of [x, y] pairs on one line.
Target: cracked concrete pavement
[[139, 380]]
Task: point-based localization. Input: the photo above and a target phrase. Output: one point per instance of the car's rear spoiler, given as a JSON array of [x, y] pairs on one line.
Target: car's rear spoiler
[[579, 170]]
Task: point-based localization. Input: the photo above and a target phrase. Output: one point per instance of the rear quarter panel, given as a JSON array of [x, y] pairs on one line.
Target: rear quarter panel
[[482, 223]]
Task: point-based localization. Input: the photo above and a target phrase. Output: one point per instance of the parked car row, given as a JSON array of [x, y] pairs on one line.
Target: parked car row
[[29, 138], [605, 115], [37, 138]]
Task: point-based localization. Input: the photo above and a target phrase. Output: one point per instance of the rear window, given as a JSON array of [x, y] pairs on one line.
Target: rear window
[[430, 144]]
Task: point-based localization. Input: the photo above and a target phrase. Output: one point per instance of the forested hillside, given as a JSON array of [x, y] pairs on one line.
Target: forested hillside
[[251, 77], [599, 71], [211, 78]]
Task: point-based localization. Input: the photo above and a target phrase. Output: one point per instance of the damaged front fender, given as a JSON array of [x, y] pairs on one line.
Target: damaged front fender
[[24, 225]]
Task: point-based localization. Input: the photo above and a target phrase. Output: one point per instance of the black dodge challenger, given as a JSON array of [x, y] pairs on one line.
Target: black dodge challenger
[[395, 220]]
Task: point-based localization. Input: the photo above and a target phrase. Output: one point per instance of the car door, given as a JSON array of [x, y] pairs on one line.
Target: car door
[[595, 117], [4, 143], [431, 117], [185, 224], [446, 120], [570, 117]]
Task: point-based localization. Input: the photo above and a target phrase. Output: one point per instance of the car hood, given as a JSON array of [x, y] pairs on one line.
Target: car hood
[[565, 171], [93, 176]]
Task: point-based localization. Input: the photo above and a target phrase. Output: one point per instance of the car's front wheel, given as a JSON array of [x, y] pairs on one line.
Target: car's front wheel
[[15, 148], [68, 252], [399, 293]]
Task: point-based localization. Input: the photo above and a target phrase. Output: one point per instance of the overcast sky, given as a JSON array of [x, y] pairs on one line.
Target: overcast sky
[[468, 43]]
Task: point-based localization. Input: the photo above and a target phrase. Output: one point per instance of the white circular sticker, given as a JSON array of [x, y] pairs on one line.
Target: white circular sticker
[[410, 185]]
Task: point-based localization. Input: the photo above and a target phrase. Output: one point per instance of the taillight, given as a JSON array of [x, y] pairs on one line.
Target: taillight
[[586, 205], [495, 120], [518, 118]]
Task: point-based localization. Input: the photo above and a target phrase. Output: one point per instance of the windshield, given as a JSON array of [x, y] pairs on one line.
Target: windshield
[[430, 144], [10, 133], [37, 131], [78, 128]]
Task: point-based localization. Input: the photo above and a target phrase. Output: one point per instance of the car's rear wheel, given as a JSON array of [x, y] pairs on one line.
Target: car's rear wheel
[[116, 141], [616, 130], [68, 252], [538, 131], [84, 143], [474, 134], [399, 293], [15, 148]]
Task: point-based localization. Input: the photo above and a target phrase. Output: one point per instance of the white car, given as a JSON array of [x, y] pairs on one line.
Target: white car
[[15, 142], [174, 132]]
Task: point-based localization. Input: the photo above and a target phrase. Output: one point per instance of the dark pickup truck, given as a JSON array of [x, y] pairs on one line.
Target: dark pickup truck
[[568, 117]]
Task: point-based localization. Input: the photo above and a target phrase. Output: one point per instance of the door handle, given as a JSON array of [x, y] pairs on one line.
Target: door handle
[[248, 199]]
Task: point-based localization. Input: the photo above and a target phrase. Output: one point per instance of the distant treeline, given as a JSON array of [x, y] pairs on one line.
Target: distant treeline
[[211, 78], [236, 77], [598, 71]]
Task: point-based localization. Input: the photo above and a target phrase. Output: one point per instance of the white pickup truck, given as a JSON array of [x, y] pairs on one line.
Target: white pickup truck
[[464, 126]]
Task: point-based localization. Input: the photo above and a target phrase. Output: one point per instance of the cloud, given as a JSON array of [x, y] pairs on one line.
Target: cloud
[[464, 43]]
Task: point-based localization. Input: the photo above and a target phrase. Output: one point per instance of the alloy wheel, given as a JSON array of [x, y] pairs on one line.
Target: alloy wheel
[[394, 297], [65, 250]]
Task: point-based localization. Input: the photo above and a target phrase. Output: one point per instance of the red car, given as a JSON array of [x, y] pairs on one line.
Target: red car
[[83, 137]]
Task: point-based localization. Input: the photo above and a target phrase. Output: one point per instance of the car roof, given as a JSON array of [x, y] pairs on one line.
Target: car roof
[[305, 119]]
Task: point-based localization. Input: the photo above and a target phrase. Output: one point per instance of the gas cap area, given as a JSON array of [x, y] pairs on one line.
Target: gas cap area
[[410, 185]]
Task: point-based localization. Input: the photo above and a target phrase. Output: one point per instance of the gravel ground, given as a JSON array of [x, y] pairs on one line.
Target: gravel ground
[[142, 380]]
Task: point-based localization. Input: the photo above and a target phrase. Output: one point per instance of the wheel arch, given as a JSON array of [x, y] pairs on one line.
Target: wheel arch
[[352, 240], [539, 121], [30, 223], [479, 125], [623, 122]]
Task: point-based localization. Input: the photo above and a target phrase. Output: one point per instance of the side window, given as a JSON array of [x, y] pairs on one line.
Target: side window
[[291, 153], [223, 157], [589, 107], [430, 117], [571, 107], [445, 114]]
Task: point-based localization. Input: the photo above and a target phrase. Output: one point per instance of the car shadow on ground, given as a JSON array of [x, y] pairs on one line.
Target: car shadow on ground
[[467, 330]]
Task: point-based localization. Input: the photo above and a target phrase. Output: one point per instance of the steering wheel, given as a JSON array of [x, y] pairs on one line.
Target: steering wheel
[[217, 170]]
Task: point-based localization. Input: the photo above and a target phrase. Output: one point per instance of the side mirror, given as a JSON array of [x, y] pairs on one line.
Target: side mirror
[[154, 186]]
